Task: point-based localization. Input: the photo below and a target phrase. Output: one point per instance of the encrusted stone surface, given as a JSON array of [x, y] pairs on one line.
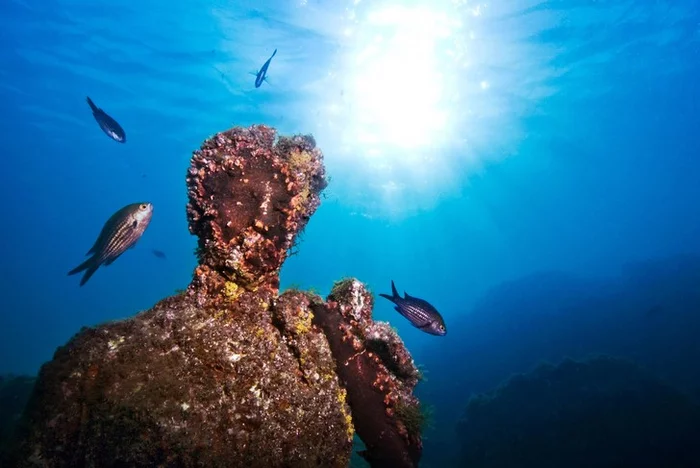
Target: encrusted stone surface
[[183, 386], [378, 373], [229, 373], [249, 196]]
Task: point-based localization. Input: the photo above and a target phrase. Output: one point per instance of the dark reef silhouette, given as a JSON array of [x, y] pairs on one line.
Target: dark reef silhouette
[[14, 393], [549, 316], [552, 315], [602, 412], [229, 372]]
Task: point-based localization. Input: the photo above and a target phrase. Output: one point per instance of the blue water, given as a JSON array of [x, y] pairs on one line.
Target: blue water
[[469, 144]]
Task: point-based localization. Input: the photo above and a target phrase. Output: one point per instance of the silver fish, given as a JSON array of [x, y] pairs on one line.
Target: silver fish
[[420, 313], [120, 232]]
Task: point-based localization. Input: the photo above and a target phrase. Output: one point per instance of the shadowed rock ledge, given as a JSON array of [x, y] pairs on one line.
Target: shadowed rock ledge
[[230, 373], [14, 393]]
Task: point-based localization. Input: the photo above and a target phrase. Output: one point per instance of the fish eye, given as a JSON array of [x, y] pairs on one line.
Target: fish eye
[[143, 206], [442, 327]]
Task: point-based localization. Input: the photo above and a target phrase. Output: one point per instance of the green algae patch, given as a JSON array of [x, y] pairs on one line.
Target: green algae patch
[[415, 416]]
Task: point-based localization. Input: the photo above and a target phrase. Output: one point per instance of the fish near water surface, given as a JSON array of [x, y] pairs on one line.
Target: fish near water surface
[[419, 312], [107, 123], [260, 76], [120, 232]]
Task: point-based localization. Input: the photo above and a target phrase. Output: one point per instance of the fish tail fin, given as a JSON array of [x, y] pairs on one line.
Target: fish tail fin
[[91, 104], [90, 266], [274, 53], [394, 293], [88, 273]]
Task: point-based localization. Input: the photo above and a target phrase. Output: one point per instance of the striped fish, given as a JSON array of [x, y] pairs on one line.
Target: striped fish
[[419, 312], [119, 233]]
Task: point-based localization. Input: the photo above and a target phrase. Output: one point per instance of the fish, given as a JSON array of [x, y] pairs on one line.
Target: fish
[[108, 125], [260, 76], [119, 233], [158, 253], [419, 312]]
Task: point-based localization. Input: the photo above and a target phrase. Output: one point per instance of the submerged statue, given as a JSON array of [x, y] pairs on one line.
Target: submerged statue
[[229, 372]]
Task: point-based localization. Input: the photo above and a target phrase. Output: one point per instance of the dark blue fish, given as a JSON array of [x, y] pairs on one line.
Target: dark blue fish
[[260, 75], [419, 312], [158, 253], [107, 123]]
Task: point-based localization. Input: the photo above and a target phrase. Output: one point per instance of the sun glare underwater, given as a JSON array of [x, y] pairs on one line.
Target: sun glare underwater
[[413, 97], [409, 101]]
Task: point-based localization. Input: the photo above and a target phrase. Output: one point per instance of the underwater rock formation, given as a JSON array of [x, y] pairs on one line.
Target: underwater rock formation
[[226, 373], [249, 198], [602, 412], [379, 374], [14, 393]]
